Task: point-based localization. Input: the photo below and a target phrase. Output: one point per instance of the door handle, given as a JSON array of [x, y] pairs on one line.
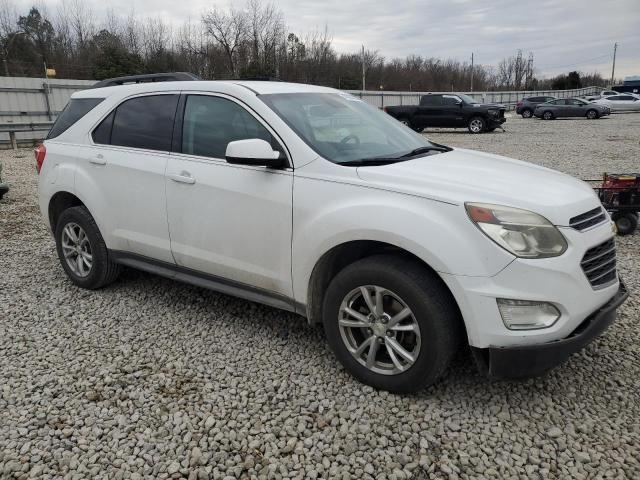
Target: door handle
[[98, 160], [184, 177]]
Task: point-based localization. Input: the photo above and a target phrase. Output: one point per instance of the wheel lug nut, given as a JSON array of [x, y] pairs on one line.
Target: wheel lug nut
[[389, 333]]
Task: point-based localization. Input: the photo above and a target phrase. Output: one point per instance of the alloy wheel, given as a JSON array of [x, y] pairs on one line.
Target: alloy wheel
[[379, 330], [76, 249], [526, 114], [476, 125]]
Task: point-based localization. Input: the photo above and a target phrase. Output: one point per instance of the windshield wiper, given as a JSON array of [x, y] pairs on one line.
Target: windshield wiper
[[426, 149], [366, 162]]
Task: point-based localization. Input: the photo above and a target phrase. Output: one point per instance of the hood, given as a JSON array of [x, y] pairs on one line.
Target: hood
[[463, 175], [486, 105]]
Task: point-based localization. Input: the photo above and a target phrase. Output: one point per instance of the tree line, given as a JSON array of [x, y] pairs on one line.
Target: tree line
[[248, 41]]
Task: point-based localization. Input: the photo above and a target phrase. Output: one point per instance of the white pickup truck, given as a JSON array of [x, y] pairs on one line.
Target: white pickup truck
[[310, 200]]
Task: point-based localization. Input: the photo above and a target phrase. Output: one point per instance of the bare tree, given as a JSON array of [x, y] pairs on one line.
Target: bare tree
[[229, 30]]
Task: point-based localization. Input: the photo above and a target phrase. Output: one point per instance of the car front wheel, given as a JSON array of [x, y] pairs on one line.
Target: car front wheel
[[592, 114], [476, 125], [547, 115], [391, 323], [82, 251]]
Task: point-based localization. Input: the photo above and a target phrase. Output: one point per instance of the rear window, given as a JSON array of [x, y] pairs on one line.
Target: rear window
[[74, 111]]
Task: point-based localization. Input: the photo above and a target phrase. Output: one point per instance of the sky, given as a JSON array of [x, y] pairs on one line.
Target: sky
[[563, 35]]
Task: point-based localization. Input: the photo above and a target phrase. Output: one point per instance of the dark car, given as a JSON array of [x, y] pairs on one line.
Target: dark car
[[451, 110], [570, 107], [527, 105], [4, 188]]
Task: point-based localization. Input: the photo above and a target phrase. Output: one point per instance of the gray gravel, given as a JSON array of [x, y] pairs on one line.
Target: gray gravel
[[154, 379]]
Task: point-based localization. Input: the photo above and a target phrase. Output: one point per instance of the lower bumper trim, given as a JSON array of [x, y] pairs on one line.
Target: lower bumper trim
[[534, 360]]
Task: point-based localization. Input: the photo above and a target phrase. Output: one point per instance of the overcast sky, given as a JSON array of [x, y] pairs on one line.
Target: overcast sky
[[562, 34]]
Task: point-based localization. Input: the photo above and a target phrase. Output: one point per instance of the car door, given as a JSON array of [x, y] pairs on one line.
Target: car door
[[429, 112], [575, 108], [452, 111], [232, 222], [124, 167]]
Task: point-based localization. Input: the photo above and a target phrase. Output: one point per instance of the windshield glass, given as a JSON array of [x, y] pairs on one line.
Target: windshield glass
[[343, 128], [468, 99]]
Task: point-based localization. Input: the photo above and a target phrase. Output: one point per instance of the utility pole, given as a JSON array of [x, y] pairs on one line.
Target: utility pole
[[472, 71], [613, 69], [363, 79]]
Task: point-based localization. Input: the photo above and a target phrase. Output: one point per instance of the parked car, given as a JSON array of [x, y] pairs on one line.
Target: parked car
[[602, 94], [570, 107], [527, 105], [451, 110], [618, 103], [310, 200]]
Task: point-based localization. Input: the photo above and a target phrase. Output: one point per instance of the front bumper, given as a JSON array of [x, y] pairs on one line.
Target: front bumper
[[532, 360], [4, 188], [495, 121]]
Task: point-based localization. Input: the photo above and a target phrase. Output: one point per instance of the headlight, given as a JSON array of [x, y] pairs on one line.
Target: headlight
[[521, 232]]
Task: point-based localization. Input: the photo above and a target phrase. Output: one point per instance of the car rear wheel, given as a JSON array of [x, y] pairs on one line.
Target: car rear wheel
[[548, 115], [391, 323], [626, 223], [592, 114], [82, 251], [476, 125], [527, 113]]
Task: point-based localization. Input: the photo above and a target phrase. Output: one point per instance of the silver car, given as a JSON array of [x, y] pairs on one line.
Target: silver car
[[622, 102], [570, 107]]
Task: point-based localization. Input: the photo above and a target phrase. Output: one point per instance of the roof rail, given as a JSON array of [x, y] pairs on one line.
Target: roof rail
[[148, 77]]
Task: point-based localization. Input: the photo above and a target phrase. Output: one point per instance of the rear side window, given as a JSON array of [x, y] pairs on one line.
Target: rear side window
[[74, 111], [210, 123], [142, 122], [431, 100]]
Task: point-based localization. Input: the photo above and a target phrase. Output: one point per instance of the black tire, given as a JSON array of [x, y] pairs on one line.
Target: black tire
[[477, 125], [433, 309], [418, 129], [626, 223], [103, 271], [592, 114], [527, 113], [548, 115], [405, 121]]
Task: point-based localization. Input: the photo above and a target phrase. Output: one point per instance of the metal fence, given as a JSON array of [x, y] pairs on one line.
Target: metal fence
[[509, 99], [26, 101], [28, 104]]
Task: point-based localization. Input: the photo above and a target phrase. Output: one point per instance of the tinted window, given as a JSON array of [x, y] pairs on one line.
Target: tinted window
[[145, 122], [210, 123], [560, 101], [450, 100], [102, 133], [431, 100], [74, 111], [537, 99]]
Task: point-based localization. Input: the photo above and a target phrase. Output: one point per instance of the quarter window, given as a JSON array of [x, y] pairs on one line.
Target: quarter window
[[74, 111], [210, 123], [141, 122]]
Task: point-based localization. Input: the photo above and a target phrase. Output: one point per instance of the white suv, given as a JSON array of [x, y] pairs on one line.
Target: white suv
[[308, 199]]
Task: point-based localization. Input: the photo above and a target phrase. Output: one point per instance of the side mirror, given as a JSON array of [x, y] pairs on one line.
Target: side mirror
[[253, 151]]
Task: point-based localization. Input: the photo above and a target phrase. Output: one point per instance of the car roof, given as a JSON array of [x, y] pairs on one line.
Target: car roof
[[257, 87]]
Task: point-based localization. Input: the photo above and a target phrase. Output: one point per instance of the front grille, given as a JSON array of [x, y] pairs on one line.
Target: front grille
[[588, 219], [599, 264]]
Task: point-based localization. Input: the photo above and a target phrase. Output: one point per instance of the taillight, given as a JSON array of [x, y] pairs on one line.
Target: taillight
[[519, 104], [384, 109], [40, 152]]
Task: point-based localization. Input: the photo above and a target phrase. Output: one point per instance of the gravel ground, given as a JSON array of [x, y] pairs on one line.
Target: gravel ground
[[154, 379]]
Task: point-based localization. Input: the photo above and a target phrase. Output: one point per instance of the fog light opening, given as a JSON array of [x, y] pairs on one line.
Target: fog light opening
[[527, 314]]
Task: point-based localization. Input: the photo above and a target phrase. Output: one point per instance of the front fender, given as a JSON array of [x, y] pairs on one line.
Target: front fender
[[328, 214]]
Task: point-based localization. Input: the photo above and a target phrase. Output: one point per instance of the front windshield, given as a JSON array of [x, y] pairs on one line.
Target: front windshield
[[343, 128], [468, 99]]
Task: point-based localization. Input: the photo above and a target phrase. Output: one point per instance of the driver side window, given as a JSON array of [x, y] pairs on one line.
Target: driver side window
[[210, 123]]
